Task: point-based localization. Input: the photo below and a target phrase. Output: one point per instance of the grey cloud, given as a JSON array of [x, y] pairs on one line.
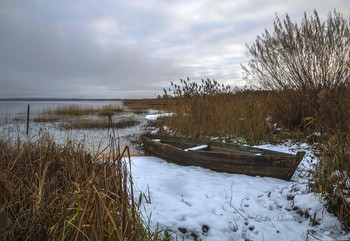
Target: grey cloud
[[129, 49], [38, 58]]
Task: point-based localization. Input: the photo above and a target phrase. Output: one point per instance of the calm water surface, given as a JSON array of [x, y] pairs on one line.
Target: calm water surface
[[17, 107], [13, 123]]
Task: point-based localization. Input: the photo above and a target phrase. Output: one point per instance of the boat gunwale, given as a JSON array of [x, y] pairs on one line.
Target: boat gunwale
[[264, 153], [276, 166]]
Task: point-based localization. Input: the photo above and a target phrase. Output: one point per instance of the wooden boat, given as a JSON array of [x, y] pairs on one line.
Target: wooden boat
[[222, 157]]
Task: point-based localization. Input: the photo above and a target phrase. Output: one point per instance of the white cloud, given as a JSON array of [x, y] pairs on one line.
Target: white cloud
[[109, 48], [106, 29]]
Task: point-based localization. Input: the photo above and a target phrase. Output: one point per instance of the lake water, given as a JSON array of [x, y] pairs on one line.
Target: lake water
[[13, 116], [17, 107]]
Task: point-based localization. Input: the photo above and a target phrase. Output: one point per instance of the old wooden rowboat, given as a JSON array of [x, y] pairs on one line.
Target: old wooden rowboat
[[222, 157]]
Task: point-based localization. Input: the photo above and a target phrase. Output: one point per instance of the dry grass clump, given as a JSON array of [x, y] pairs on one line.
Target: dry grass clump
[[100, 124], [61, 113], [143, 105], [223, 116], [64, 111], [54, 192], [323, 110], [71, 110], [332, 177], [210, 109], [109, 110], [47, 119], [139, 111]]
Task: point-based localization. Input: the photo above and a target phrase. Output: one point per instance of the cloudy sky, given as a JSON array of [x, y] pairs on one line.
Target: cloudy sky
[[132, 49]]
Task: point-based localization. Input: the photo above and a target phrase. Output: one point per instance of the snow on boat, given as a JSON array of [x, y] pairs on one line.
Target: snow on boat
[[223, 157]]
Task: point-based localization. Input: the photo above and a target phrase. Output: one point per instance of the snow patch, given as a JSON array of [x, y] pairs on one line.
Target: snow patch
[[196, 148], [194, 203], [155, 116]]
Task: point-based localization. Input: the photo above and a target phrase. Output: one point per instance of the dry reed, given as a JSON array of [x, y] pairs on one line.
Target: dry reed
[[100, 124], [77, 110], [61, 192], [212, 110], [109, 110], [332, 177], [143, 105], [71, 110]]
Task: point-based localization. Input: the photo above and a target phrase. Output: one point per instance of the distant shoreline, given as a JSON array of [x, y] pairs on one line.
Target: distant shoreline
[[57, 99]]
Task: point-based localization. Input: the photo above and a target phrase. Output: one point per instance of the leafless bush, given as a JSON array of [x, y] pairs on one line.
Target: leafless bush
[[188, 88], [303, 64]]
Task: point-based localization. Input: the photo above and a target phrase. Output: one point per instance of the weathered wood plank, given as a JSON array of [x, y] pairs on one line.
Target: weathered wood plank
[[273, 164]]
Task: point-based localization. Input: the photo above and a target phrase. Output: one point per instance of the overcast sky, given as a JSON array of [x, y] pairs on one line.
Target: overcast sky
[[128, 49]]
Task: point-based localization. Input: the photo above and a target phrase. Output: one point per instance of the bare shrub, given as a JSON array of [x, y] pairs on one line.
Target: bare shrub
[[302, 64]]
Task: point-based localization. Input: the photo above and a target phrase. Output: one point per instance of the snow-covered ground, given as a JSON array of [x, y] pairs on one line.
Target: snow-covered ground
[[199, 204]]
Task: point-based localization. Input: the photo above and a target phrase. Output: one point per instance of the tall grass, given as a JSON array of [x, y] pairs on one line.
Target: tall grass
[[320, 115], [71, 110], [63, 192], [68, 111], [142, 106], [109, 110], [324, 110], [100, 124], [332, 176], [211, 110]]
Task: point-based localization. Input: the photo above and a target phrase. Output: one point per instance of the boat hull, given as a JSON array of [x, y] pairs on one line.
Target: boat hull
[[270, 164]]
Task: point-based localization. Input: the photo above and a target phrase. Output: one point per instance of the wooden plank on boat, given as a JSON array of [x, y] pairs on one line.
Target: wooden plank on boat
[[231, 158]]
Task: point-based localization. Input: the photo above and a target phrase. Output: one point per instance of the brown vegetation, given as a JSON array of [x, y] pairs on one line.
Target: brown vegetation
[[109, 110], [141, 105], [252, 116], [307, 68], [305, 74], [100, 124], [47, 119], [240, 115], [70, 110], [332, 176], [67, 111], [53, 192]]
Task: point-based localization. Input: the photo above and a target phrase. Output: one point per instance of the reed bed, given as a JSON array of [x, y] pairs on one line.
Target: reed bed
[[100, 124], [109, 110], [69, 111], [62, 192], [318, 116], [48, 118], [137, 105], [332, 177], [139, 111], [220, 116], [211, 109]]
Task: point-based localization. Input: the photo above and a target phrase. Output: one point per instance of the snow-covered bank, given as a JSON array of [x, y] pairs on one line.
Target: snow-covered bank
[[200, 204], [154, 117]]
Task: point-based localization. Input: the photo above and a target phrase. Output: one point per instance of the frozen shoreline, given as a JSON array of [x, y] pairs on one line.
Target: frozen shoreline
[[199, 204]]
